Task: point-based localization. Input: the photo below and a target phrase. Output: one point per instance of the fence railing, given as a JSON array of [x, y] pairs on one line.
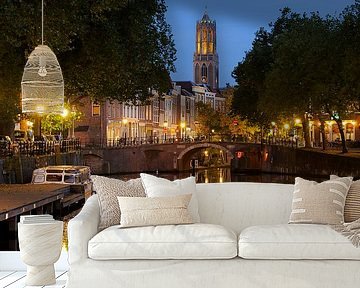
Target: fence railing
[[136, 141], [33, 148], [153, 140]]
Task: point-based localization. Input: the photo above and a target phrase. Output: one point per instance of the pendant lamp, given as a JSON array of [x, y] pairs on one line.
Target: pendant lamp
[[42, 84]]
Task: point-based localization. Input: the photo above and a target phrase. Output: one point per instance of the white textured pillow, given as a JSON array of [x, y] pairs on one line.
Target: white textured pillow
[[160, 187], [143, 211], [107, 190], [319, 203]]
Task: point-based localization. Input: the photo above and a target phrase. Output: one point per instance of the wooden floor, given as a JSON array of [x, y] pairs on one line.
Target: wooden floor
[[16, 279]]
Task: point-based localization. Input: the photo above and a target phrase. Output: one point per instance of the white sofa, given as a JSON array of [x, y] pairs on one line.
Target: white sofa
[[272, 253]]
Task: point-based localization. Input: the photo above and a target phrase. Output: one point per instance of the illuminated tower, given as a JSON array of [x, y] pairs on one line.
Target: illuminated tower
[[206, 60]]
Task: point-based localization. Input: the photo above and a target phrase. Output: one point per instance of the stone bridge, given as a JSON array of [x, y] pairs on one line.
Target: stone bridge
[[166, 157]]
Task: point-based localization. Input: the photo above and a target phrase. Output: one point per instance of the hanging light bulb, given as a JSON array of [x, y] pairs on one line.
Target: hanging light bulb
[[42, 66]]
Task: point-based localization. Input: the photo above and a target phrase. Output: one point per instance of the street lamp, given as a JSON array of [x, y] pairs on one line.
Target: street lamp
[[125, 121], [165, 129], [183, 131], [286, 127], [64, 114]]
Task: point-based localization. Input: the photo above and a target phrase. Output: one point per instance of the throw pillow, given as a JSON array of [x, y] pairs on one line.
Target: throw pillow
[[160, 187], [320, 203], [139, 211], [352, 202], [107, 190]]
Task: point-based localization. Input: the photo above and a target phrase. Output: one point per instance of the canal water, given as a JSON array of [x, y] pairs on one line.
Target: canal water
[[224, 174]]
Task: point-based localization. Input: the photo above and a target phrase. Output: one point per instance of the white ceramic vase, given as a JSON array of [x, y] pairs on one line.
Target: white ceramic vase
[[40, 247]]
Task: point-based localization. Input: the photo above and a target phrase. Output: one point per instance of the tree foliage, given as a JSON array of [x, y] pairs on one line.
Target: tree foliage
[[250, 75], [208, 119], [113, 49], [306, 66], [222, 122]]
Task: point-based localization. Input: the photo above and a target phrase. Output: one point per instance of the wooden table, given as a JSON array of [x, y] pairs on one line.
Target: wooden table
[[18, 199]]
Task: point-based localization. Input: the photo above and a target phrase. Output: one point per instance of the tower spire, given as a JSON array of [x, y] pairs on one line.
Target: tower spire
[[206, 61]]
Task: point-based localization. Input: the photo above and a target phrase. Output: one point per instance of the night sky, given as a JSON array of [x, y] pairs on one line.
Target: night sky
[[236, 23]]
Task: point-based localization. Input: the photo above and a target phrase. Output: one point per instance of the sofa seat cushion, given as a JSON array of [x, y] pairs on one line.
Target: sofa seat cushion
[[190, 241], [295, 241]]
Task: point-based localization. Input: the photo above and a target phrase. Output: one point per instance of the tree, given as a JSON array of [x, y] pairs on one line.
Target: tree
[[296, 55], [250, 76], [350, 31], [60, 124], [107, 49], [208, 119], [231, 123], [305, 66]]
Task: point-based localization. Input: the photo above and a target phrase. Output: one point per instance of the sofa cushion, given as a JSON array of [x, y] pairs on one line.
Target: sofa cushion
[[160, 187], [300, 241], [107, 190], [319, 203], [145, 211], [352, 202], [192, 241]]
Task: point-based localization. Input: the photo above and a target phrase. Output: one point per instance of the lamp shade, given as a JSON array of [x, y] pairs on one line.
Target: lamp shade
[[42, 84]]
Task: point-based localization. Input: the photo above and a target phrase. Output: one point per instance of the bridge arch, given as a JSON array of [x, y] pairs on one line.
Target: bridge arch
[[183, 159]]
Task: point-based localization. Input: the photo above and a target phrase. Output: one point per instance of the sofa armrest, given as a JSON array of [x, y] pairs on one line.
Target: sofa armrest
[[82, 228]]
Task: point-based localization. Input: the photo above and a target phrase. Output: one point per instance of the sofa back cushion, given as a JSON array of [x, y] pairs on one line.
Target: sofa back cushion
[[239, 205]]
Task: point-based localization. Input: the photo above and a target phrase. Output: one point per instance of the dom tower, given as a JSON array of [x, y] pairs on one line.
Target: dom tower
[[206, 60]]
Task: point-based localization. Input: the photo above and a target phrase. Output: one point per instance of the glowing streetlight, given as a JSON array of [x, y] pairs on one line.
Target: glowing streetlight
[[297, 121], [29, 124], [286, 126], [183, 131], [65, 113], [165, 129]]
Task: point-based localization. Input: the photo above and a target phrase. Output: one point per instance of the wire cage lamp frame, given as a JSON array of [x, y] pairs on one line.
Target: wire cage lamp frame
[[42, 84]]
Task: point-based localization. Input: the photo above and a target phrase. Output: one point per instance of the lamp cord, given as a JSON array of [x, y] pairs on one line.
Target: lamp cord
[[42, 22]]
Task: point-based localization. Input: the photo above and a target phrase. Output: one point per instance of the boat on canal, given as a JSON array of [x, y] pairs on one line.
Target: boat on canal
[[78, 177]]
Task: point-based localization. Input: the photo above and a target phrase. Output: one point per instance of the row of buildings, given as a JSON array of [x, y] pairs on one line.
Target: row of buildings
[[167, 117]]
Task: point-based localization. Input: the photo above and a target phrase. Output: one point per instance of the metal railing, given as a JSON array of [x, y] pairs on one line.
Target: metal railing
[[136, 141], [33, 148]]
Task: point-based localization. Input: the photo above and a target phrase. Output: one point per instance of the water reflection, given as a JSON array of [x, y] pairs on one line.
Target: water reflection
[[219, 175]]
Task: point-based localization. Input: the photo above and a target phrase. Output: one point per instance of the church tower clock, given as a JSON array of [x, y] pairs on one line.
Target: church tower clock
[[206, 60]]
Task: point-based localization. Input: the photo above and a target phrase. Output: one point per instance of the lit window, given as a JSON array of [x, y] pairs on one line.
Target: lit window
[[95, 109]]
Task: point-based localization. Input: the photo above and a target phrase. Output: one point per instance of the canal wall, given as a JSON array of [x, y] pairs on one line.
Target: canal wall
[[19, 168], [131, 160], [307, 162]]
